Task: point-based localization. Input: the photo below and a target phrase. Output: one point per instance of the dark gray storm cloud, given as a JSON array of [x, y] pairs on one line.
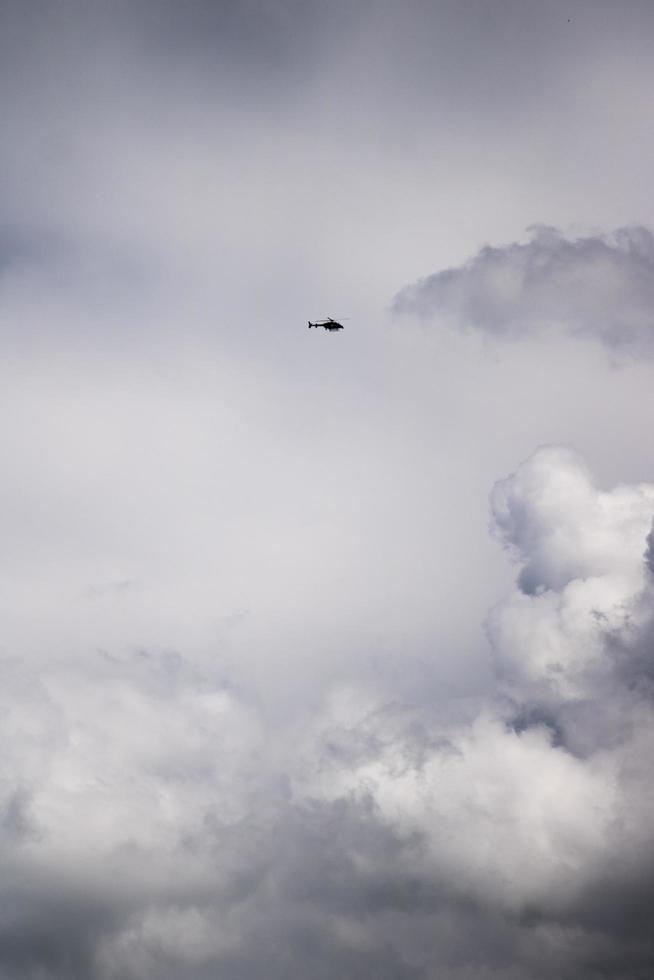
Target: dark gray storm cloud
[[599, 286]]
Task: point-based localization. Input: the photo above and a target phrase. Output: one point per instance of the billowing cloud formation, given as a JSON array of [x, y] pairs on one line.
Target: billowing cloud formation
[[599, 286], [581, 551], [154, 824], [535, 813]]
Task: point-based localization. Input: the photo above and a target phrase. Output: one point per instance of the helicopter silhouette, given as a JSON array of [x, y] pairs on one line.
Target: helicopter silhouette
[[328, 324]]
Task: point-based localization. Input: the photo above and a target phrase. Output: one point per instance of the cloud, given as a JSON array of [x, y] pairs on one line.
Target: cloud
[[649, 553], [599, 286], [536, 810], [334, 784], [154, 823], [559, 526], [582, 571]]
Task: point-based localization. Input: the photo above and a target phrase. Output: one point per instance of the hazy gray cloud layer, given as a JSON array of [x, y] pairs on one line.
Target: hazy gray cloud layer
[[598, 286], [271, 703]]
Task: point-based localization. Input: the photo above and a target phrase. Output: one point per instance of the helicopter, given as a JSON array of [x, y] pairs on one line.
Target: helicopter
[[328, 324]]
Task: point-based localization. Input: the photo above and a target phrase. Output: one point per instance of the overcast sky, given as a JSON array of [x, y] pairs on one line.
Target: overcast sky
[[326, 655]]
